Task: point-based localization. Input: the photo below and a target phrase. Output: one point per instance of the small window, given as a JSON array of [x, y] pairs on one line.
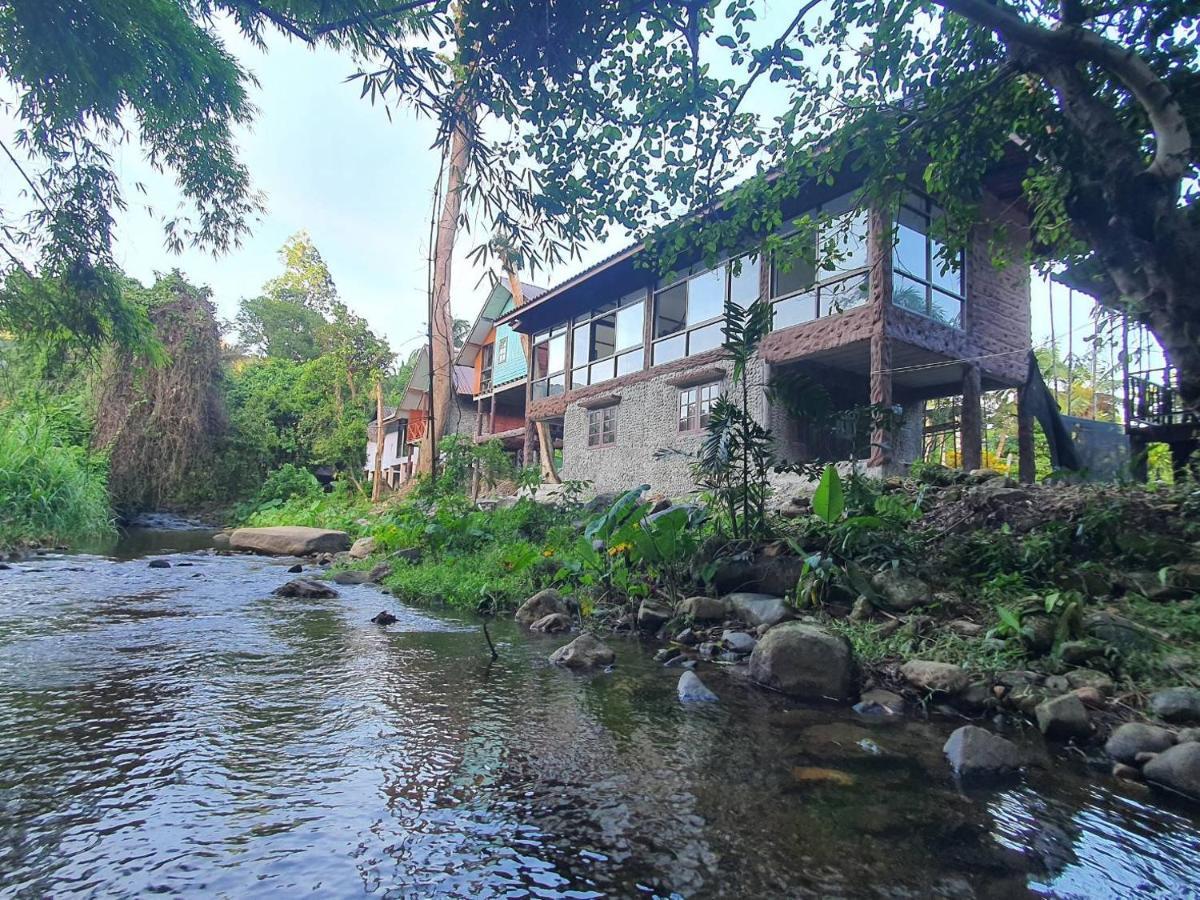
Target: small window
[[924, 281], [602, 426], [502, 351], [695, 405]]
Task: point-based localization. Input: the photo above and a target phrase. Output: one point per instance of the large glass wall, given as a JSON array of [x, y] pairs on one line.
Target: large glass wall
[[924, 281]]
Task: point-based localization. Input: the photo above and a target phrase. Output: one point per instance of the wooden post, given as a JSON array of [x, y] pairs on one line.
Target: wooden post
[[377, 477], [972, 419], [1026, 461], [880, 262]]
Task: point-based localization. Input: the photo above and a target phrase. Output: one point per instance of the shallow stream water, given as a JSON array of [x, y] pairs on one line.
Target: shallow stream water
[[180, 731]]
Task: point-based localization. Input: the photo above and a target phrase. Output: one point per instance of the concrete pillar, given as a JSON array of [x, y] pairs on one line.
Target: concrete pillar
[[1026, 462], [971, 422]]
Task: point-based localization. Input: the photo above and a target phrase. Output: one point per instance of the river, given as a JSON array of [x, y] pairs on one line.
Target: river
[[180, 731]]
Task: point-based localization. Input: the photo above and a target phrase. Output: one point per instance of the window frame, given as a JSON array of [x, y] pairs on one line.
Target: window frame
[[604, 418], [594, 369], [687, 331], [501, 354], [824, 281], [693, 422], [540, 387], [486, 368], [920, 205]]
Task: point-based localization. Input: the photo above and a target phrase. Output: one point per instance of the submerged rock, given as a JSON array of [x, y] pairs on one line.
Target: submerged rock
[[879, 702], [583, 653], [1177, 768], [692, 690], [159, 564], [976, 752], [362, 548], [305, 588], [350, 576], [289, 540], [804, 661], [296, 569], [936, 677], [1063, 718], [759, 609], [540, 605], [1177, 704], [552, 624], [384, 618], [1133, 738]]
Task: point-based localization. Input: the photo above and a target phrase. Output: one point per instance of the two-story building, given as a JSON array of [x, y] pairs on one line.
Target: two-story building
[[627, 362]]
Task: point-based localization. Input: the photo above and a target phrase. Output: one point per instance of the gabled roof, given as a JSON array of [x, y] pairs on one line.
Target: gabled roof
[[418, 382], [496, 304]]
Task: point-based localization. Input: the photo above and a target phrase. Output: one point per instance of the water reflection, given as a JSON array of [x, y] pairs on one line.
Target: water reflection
[[164, 732]]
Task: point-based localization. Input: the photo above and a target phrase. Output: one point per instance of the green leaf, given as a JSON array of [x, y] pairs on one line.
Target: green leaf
[[829, 502], [1010, 619]]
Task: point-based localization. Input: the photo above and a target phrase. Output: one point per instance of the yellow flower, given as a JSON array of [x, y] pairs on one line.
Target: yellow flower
[[618, 548], [547, 553]]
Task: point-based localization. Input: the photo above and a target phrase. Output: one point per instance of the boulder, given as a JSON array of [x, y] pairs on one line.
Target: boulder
[[704, 609], [379, 572], [1118, 631], [220, 540], [1063, 718], [350, 576], [936, 677], [289, 540], [653, 615], [739, 642], [384, 618], [900, 590], [1177, 704], [1133, 738], [362, 548], [804, 661], [1188, 735], [1092, 678], [584, 653], [540, 605], [1177, 769], [759, 609], [408, 554], [159, 564], [974, 752], [772, 575], [965, 627], [692, 690], [552, 624], [879, 702], [306, 589]]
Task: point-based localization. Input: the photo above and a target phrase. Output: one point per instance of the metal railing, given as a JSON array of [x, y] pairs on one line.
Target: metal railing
[[1151, 398]]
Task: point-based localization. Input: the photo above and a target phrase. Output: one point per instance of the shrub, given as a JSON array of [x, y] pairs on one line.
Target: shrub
[[289, 481]]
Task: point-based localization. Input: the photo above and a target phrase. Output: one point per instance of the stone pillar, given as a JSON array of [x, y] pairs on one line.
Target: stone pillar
[[879, 263], [1026, 463], [971, 422]]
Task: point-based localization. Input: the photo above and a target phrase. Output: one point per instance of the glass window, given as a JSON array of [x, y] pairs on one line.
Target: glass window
[[600, 335], [579, 377], [743, 280], [796, 309], [557, 353], [549, 360], [908, 293], [628, 330], [946, 309], [602, 426], [502, 350], [581, 344], [706, 338], [793, 274], [845, 240], [670, 310], [695, 405], [603, 370], [922, 280], [706, 296], [843, 295], [669, 349], [629, 362], [909, 254]]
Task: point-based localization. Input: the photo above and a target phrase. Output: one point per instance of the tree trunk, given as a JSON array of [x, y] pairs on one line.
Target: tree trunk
[[380, 436], [545, 444], [442, 323]]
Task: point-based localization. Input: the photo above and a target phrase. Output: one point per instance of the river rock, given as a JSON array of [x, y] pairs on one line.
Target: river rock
[[804, 661], [408, 554], [540, 605], [759, 609], [362, 548], [289, 540], [584, 653], [350, 576], [1118, 631], [384, 618], [1133, 738], [936, 677], [1063, 718], [879, 702], [900, 590], [379, 572], [220, 540], [1177, 704], [296, 569], [704, 609], [554, 623], [692, 690], [306, 589], [974, 752], [653, 615], [738, 641], [159, 564], [1177, 768], [1080, 678]]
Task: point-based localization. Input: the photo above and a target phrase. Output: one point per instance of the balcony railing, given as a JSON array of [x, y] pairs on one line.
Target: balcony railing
[[1151, 398]]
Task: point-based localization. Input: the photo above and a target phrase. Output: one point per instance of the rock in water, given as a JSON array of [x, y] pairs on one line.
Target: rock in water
[[693, 690], [289, 540], [350, 576], [1133, 738], [704, 608], [738, 642], [1178, 769], [879, 703], [804, 661], [540, 605], [759, 609], [379, 572], [1063, 718], [975, 752], [362, 548], [1178, 704], [653, 615], [159, 564], [306, 589], [584, 653], [552, 624], [296, 569], [936, 677], [384, 618]]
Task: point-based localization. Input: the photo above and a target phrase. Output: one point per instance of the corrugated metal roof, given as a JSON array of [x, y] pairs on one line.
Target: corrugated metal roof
[[550, 293]]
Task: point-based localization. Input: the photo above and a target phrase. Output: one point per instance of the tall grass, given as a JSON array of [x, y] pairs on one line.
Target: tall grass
[[50, 490]]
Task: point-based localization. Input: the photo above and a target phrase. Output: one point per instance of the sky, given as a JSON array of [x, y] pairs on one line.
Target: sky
[[361, 185]]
